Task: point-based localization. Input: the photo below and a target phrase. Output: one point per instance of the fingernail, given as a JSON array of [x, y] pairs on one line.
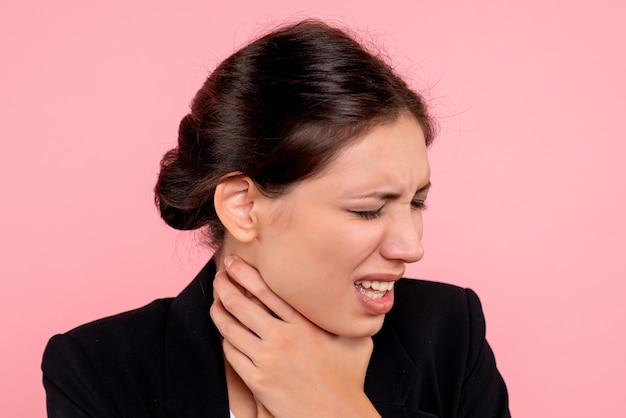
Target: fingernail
[[229, 260]]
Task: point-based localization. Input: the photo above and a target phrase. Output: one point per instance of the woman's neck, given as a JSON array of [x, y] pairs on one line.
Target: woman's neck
[[241, 401]]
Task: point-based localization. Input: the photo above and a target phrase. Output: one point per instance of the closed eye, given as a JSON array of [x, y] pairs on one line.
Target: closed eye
[[368, 214], [418, 204]]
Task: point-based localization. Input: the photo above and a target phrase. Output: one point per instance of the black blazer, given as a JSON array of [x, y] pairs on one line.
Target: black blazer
[[430, 359]]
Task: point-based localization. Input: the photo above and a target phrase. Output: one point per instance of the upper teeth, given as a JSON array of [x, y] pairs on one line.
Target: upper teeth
[[375, 284]]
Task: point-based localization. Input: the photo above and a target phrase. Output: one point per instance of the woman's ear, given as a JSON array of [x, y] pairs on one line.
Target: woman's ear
[[235, 199]]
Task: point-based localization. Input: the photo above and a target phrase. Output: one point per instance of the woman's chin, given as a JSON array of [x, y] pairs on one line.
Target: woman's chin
[[364, 328]]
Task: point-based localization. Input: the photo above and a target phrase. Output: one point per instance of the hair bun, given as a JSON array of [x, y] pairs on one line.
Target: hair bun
[[176, 192], [167, 192]]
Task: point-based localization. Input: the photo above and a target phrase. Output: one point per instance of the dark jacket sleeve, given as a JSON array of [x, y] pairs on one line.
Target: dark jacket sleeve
[[483, 394], [73, 388]]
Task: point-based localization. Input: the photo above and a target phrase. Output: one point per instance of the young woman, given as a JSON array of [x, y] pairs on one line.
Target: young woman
[[304, 159]]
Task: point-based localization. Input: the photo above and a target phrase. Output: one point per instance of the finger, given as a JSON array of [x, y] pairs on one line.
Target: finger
[[236, 298], [248, 313], [257, 302], [250, 279], [246, 293], [239, 336], [240, 362]]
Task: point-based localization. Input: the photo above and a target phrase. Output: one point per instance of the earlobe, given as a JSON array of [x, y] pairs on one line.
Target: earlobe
[[234, 203]]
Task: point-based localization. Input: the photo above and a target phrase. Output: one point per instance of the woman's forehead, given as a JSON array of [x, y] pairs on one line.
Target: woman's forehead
[[399, 141], [392, 154]]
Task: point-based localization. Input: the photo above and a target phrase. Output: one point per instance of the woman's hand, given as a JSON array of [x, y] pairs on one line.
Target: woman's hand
[[294, 368]]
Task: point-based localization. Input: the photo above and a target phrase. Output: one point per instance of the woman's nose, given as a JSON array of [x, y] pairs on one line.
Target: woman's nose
[[403, 240]]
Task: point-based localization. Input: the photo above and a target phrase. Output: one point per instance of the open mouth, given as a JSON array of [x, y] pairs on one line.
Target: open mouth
[[373, 289]]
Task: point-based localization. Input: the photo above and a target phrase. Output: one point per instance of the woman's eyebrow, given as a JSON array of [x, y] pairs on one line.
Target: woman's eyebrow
[[385, 195], [424, 188]]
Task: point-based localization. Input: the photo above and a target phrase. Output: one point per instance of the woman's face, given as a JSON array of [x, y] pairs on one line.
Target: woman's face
[[333, 246]]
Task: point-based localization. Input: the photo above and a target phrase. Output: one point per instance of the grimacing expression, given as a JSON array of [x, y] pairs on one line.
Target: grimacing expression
[[334, 245]]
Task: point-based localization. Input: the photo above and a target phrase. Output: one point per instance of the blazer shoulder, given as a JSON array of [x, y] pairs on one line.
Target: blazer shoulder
[[433, 299], [142, 322], [108, 365], [124, 338]]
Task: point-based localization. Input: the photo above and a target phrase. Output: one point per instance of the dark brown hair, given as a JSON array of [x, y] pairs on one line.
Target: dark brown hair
[[278, 110]]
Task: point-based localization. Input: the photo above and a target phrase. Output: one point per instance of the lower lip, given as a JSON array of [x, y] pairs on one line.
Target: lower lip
[[378, 306]]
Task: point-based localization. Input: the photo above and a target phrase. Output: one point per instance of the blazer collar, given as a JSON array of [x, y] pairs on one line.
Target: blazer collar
[[195, 382], [391, 375]]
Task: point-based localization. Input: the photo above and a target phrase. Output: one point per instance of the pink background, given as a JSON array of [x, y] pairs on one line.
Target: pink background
[[527, 207]]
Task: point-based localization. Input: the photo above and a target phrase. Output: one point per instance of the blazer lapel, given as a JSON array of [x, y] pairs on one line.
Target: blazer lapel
[[194, 367], [391, 377]]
